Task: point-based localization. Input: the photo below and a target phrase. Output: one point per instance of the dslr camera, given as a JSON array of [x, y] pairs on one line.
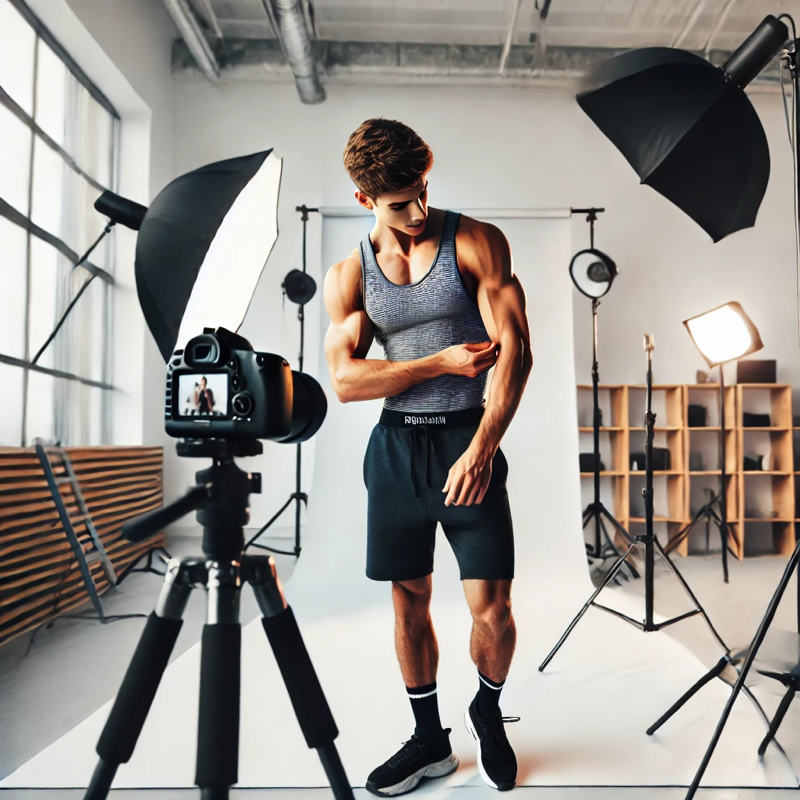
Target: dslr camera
[[219, 387]]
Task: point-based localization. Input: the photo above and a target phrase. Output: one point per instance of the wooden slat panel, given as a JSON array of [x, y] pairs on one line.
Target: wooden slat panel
[[39, 576]]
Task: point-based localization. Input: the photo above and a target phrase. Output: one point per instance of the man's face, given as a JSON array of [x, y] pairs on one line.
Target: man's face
[[404, 211]]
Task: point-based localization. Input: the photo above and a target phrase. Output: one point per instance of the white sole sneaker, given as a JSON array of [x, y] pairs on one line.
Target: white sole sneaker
[[438, 770], [471, 728]]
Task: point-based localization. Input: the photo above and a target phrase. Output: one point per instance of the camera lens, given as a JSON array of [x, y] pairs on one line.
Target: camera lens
[[242, 404]]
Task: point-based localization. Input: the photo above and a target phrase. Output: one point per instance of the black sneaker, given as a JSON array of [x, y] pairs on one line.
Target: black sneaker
[[496, 759], [424, 755]]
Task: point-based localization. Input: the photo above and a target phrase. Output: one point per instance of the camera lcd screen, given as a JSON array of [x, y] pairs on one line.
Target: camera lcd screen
[[203, 395]]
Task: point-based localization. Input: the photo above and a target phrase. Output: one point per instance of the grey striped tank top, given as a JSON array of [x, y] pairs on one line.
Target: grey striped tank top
[[419, 319]]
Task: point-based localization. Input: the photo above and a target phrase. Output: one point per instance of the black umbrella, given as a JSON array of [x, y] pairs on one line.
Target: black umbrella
[[203, 245], [688, 128]]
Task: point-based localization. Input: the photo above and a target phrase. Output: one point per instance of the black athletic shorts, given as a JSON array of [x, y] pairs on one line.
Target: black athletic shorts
[[405, 470]]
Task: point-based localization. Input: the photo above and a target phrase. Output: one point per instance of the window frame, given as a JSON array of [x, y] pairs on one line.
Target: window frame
[[18, 218]]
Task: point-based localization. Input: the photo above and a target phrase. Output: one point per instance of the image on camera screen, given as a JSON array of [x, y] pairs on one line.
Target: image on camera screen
[[202, 395]]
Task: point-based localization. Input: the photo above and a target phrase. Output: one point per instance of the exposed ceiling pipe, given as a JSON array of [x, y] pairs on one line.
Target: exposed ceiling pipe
[[718, 26], [210, 17], [541, 41], [193, 36], [509, 37], [290, 23]]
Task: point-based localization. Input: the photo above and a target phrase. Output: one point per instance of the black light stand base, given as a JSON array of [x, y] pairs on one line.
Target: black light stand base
[[596, 512], [709, 515], [148, 567], [648, 544], [648, 625]]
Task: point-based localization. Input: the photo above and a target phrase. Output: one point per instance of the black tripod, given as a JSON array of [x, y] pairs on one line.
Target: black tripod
[[596, 510], [709, 513], [221, 499], [298, 497], [647, 542]]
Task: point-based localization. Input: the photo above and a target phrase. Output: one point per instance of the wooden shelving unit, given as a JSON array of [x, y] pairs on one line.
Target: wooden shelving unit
[[761, 504]]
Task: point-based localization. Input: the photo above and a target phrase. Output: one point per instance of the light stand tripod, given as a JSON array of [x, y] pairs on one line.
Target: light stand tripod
[[708, 513], [593, 273], [596, 511], [300, 288], [647, 542], [221, 499]]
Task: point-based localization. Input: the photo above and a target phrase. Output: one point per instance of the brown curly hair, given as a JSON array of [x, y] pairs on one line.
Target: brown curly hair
[[383, 156]]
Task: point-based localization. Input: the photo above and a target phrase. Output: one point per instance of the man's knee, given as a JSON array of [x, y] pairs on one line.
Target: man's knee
[[494, 617], [412, 599]]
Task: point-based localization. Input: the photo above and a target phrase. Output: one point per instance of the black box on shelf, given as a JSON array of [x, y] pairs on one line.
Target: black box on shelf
[[755, 370], [753, 464], [587, 462], [750, 420], [698, 416], [661, 460]]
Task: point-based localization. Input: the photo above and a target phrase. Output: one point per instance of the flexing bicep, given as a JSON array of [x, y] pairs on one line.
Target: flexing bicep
[[350, 332], [501, 298]]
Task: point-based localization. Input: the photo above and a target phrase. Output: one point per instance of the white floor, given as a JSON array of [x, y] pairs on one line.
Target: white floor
[[583, 720]]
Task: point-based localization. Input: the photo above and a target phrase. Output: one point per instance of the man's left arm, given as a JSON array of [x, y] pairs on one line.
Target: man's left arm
[[501, 300]]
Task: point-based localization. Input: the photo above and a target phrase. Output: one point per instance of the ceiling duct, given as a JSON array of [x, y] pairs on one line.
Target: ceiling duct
[[192, 35], [292, 31]]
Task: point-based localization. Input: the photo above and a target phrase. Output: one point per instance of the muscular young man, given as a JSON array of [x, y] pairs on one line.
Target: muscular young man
[[437, 291]]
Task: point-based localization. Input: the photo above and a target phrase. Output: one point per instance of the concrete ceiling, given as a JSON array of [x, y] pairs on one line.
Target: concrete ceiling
[[457, 38]]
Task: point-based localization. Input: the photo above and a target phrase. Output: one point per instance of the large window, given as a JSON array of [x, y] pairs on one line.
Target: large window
[[58, 148]]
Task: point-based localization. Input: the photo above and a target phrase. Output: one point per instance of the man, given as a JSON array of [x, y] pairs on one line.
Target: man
[[203, 398], [438, 292]]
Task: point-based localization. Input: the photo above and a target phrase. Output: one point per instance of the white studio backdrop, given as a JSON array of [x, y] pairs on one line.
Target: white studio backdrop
[[583, 720], [541, 444]]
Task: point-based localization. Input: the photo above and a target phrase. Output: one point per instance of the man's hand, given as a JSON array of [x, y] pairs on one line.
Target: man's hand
[[468, 479], [469, 360]]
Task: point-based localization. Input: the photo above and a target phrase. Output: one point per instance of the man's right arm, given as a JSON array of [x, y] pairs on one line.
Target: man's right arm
[[350, 336]]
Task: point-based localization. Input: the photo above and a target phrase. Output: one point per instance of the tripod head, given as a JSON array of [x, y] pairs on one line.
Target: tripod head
[[221, 498]]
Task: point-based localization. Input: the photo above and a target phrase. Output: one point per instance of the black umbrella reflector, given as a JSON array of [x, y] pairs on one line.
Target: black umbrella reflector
[[688, 130], [203, 245]]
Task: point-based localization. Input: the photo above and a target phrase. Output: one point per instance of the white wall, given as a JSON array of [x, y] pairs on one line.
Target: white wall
[[124, 46], [212, 124], [504, 148]]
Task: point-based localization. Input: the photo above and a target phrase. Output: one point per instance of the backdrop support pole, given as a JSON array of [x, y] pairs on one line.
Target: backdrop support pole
[[299, 497]]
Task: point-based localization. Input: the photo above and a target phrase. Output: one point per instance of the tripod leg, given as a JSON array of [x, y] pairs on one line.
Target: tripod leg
[[786, 701], [724, 533], [139, 686], [220, 684], [714, 672], [610, 577], [617, 526], [676, 572], [751, 656], [310, 706], [609, 541]]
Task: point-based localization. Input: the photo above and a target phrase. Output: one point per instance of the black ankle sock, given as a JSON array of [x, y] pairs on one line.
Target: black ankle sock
[[425, 705], [488, 697]]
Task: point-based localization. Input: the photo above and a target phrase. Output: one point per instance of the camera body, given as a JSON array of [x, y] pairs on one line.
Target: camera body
[[219, 387]]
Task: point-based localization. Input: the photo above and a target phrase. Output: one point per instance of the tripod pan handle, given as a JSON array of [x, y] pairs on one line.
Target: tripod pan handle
[[146, 525]]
